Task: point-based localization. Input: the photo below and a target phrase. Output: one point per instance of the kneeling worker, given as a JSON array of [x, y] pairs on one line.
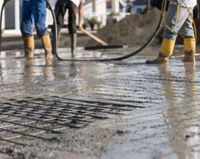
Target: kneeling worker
[[179, 20], [34, 11], [72, 6]]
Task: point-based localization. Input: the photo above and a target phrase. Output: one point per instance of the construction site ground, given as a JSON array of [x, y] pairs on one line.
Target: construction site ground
[[51, 109]]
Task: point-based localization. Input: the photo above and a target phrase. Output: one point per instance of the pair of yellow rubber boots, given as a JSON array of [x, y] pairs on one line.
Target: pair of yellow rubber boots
[[29, 46], [167, 49]]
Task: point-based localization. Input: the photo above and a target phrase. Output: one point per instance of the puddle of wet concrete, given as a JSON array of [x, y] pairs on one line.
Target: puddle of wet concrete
[[166, 126]]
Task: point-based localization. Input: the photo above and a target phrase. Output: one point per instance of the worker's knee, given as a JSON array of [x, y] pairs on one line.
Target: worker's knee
[[168, 34], [41, 31], [187, 32], [26, 29]]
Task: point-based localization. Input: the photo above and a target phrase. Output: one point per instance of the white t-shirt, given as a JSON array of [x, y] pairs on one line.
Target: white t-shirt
[[77, 2], [186, 3]]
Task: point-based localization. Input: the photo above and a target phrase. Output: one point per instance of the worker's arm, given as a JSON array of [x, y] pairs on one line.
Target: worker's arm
[[80, 13]]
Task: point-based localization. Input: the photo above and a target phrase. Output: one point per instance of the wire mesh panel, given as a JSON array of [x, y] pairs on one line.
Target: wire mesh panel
[[31, 117]]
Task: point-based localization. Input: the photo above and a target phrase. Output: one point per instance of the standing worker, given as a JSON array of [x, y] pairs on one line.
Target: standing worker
[[72, 6], [34, 11], [179, 20]]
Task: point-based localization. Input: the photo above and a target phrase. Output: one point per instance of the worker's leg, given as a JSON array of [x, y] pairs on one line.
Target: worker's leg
[[166, 50], [189, 49], [72, 25], [29, 46], [176, 17], [187, 32], [60, 10], [27, 29], [39, 13]]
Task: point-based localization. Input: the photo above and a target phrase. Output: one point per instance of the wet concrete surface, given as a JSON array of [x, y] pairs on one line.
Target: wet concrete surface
[[105, 110]]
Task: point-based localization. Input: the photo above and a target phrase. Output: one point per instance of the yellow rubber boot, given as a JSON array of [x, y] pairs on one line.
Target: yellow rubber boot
[[29, 46], [166, 51], [189, 49], [46, 41]]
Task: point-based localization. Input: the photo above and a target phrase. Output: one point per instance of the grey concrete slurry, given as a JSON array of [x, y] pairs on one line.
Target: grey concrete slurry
[[104, 110]]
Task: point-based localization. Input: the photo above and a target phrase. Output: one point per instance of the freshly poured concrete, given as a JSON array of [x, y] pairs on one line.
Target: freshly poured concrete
[[163, 122]]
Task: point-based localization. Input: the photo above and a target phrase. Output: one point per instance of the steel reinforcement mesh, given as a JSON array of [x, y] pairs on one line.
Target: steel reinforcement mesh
[[32, 117]]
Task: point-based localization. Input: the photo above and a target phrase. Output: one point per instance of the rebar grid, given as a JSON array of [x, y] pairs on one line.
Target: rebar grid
[[32, 117]]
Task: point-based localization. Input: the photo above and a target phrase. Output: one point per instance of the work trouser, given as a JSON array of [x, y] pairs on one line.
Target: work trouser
[[178, 21], [34, 11], [60, 10]]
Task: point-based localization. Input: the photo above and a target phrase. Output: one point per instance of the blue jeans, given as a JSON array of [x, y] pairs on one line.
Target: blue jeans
[[34, 11], [178, 21]]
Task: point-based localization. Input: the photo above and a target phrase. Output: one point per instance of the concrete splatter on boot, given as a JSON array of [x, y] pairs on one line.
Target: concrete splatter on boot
[[47, 46], [189, 49], [159, 60], [166, 51], [29, 46]]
